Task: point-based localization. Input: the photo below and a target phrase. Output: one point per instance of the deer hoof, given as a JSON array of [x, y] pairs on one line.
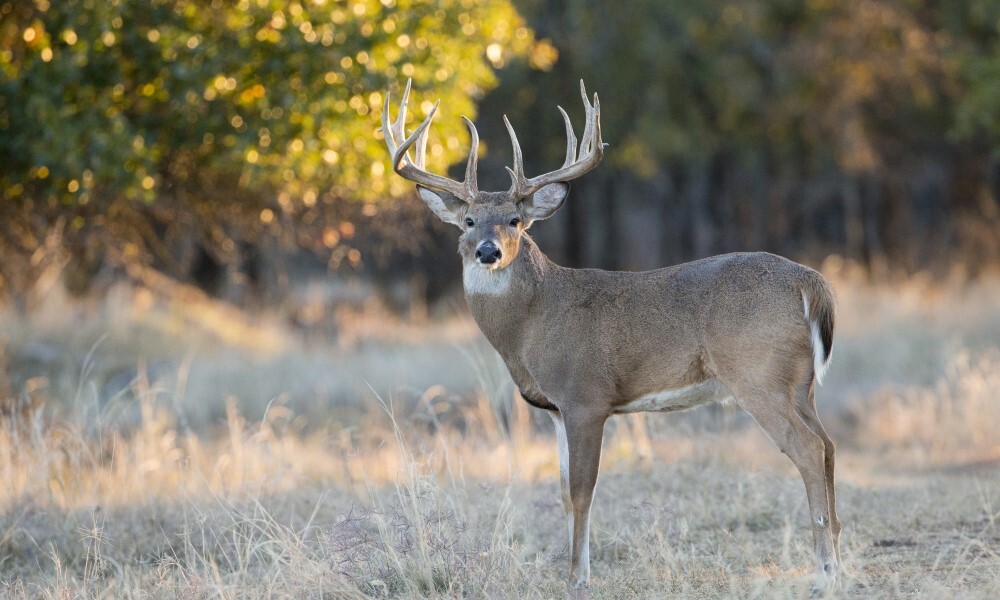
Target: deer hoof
[[826, 582]]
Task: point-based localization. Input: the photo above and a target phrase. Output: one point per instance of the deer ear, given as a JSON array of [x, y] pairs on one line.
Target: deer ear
[[446, 206], [545, 202]]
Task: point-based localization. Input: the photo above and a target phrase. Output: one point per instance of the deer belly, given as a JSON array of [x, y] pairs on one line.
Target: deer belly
[[690, 396]]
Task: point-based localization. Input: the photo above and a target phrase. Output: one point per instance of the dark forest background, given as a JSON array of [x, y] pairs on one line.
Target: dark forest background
[[233, 145]]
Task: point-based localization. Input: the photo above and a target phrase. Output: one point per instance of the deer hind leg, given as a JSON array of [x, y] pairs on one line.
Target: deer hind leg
[[777, 416], [584, 434], [563, 447], [807, 410]]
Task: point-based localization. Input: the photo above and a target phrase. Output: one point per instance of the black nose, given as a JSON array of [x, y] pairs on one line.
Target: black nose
[[488, 253]]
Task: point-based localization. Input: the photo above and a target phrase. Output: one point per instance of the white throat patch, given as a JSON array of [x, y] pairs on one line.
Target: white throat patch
[[478, 280]]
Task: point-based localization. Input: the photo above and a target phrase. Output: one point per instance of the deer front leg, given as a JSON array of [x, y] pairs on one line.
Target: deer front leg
[[584, 434]]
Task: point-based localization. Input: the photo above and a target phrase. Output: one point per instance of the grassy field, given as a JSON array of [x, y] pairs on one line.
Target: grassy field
[[162, 445]]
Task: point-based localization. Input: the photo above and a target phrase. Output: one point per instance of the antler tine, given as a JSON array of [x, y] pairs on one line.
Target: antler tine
[[471, 167], [400, 124], [570, 140], [588, 129], [591, 151], [597, 122], [517, 173], [414, 170], [420, 148], [386, 129], [400, 157], [395, 129]]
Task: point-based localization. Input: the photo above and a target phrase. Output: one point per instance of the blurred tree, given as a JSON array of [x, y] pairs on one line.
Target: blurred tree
[[864, 127], [178, 132]]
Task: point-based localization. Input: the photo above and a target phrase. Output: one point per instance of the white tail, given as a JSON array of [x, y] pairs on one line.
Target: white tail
[[821, 355]]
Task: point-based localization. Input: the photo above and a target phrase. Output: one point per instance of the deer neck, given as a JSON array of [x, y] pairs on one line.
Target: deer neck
[[501, 300]]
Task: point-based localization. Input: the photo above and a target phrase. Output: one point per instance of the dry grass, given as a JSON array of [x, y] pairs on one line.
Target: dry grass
[[142, 458]]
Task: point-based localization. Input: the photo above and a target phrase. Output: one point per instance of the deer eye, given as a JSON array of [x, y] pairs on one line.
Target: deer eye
[[515, 222], [469, 222]]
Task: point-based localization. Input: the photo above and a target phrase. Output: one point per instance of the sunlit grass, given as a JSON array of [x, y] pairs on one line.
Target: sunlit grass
[[218, 468]]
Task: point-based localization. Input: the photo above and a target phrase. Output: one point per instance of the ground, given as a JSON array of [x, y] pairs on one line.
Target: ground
[[157, 450]]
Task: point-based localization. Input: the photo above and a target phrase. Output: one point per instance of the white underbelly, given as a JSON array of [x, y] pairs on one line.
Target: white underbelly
[[690, 396]]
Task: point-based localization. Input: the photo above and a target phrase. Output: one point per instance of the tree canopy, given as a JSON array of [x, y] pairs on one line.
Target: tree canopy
[[138, 118], [174, 132]]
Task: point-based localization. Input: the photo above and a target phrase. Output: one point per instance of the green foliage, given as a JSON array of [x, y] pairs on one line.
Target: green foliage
[[975, 33], [134, 99], [165, 120], [853, 126], [698, 78]]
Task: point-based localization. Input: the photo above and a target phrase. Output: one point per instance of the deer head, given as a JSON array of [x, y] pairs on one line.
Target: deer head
[[492, 223]]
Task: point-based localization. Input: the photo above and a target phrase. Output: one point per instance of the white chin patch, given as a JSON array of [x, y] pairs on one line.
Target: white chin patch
[[485, 279]]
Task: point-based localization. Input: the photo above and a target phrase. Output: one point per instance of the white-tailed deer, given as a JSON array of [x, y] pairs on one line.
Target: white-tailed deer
[[585, 344]]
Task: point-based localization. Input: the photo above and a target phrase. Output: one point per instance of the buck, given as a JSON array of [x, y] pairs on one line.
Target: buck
[[585, 344]]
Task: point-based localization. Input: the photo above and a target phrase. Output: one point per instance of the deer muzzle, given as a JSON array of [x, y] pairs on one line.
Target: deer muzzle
[[487, 252]]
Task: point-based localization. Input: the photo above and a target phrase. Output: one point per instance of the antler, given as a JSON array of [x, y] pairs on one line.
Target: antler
[[414, 170], [591, 152]]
